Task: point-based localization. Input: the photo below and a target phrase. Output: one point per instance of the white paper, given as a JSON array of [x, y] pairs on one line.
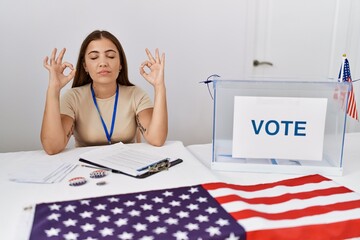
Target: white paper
[[42, 171], [279, 127], [123, 158]]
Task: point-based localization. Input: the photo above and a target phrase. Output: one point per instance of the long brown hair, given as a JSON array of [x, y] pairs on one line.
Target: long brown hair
[[81, 77]]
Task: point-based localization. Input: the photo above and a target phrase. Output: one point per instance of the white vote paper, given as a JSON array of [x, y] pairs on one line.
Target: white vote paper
[[279, 127]]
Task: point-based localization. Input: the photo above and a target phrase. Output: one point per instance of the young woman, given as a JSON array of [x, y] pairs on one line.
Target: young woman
[[103, 106]]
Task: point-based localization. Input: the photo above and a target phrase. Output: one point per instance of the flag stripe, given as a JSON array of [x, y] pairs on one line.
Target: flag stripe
[[275, 191], [283, 198], [291, 205], [257, 223], [287, 182], [338, 230], [292, 214]]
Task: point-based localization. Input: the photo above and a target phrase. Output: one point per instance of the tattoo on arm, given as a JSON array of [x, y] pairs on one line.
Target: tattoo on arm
[[70, 132], [141, 127]]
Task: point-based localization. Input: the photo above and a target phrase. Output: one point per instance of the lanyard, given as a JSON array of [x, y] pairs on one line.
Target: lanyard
[[108, 135]]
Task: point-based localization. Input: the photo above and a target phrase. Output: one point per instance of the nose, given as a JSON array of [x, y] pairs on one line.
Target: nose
[[103, 64]]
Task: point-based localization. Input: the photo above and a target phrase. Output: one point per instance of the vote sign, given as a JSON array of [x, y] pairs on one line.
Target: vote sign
[[279, 127]]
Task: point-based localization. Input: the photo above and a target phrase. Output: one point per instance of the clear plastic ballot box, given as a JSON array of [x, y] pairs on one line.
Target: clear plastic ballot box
[[295, 127]]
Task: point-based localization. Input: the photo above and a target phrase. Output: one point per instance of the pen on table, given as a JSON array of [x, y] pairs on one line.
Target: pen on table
[[88, 166]]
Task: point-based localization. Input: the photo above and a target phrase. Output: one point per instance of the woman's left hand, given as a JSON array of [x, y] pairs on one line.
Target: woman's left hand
[[154, 73]]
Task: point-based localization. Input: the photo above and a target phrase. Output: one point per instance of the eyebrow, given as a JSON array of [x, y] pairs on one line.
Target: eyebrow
[[107, 51]]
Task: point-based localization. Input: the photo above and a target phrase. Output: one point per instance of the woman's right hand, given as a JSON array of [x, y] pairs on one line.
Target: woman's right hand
[[56, 68]]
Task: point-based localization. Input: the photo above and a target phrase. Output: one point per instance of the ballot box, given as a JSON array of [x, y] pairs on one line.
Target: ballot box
[[279, 126]]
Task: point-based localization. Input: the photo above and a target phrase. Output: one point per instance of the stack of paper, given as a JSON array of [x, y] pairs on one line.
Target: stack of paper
[[43, 171]]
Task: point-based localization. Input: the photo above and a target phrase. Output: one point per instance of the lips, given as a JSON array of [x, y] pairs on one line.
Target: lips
[[103, 72]]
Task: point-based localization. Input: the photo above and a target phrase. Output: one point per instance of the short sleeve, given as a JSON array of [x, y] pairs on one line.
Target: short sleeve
[[142, 100], [68, 104]]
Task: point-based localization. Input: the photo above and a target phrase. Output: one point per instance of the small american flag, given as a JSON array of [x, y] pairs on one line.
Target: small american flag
[[345, 76], [308, 207]]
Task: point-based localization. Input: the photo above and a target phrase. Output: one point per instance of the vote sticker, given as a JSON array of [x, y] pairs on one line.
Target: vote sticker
[[98, 173], [77, 181]]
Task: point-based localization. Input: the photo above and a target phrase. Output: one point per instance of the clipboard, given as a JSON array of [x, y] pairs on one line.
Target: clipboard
[[151, 170], [131, 160]]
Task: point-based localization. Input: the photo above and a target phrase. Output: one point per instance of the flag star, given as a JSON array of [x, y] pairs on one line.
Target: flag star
[[71, 236], [134, 213], [54, 207], [232, 237], [184, 196], [192, 226], [213, 231], [141, 197], [172, 221], [54, 216], [167, 194], [125, 236], [106, 232], [160, 230], [157, 199], [174, 203], [179, 235], [90, 238], [193, 190], [152, 218], [193, 206], [121, 222], [103, 218], [100, 207], [140, 227], [222, 222], [86, 214], [211, 210], [52, 232], [70, 222], [164, 210], [129, 203], [183, 214], [117, 210], [70, 208], [113, 199], [146, 207], [202, 218], [201, 199], [85, 202], [147, 238], [88, 227]]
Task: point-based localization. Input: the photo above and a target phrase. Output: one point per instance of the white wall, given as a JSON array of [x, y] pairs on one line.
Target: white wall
[[199, 38]]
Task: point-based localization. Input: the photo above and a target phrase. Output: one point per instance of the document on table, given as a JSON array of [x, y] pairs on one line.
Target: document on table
[[124, 159], [42, 171]]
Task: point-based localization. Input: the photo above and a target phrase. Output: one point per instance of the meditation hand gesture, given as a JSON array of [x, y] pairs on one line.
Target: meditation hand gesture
[[155, 76], [56, 68]]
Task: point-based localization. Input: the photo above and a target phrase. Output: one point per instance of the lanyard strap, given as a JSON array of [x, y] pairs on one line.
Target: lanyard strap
[[108, 135]]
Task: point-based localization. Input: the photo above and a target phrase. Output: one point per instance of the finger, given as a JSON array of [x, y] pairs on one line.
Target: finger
[[52, 57], [163, 59], [71, 75], [45, 62], [157, 55], [67, 64], [61, 55], [151, 58], [147, 64]]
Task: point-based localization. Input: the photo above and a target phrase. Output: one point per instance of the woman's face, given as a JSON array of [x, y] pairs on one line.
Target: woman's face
[[102, 61]]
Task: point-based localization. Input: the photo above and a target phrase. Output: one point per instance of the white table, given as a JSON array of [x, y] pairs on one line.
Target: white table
[[16, 196], [350, 177], [194, 170]]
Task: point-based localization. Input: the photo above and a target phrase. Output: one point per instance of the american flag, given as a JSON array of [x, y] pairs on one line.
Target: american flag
[[345, 76], [307, 207]]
